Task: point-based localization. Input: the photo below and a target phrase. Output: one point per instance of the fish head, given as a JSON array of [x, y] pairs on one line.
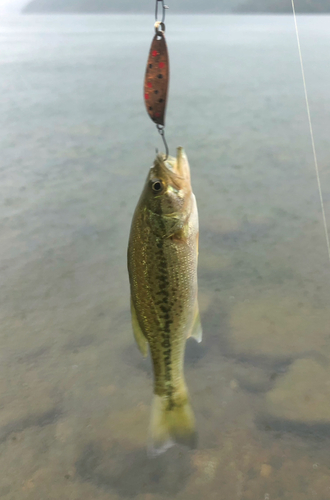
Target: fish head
[[168, 190]]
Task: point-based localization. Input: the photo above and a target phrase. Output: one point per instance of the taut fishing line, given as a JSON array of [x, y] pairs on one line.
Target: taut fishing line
[[311, 131]]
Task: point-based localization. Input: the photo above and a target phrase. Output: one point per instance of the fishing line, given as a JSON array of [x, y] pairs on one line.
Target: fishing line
[[311, 131]]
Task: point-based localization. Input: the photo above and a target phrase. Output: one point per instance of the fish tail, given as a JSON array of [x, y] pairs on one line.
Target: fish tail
[[171, 423]]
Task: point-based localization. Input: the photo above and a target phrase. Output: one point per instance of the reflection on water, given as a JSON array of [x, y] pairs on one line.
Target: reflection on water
[[76, 144]]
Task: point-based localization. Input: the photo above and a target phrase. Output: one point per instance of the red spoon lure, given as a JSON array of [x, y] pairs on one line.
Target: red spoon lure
[[157, 79], [157, 74]]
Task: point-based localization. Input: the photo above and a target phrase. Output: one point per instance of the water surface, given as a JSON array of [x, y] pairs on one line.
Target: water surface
[[76, 144]]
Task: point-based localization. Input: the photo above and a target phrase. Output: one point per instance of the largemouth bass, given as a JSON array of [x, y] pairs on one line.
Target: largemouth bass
[[162, 266]]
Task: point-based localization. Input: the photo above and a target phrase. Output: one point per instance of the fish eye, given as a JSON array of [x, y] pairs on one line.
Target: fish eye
[[157, 186]]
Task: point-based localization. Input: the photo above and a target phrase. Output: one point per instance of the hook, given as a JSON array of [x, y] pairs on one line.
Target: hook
[[162, 133]]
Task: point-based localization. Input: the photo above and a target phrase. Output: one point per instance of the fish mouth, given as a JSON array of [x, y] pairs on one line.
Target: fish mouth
[[179, 165]]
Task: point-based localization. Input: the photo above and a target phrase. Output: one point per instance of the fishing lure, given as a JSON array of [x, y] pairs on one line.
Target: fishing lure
[[156, 81]]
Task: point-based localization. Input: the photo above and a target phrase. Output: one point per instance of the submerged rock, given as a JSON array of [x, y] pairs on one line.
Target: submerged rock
[[302, 394], [205, 463], [278, 327]]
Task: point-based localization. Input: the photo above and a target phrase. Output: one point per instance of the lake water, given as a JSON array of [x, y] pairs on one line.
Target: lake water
[[76, 144]]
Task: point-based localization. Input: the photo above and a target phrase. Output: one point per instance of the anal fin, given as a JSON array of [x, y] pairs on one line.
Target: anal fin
[[138, 333], [197, 331]]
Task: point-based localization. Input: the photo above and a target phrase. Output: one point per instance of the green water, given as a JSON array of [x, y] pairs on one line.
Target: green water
[[76, 144]]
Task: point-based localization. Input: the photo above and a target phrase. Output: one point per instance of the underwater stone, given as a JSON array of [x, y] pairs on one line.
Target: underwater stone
[[302, 394], [278, 327]]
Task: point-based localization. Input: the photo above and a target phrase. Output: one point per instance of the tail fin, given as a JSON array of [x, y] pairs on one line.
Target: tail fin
[[171, 425]]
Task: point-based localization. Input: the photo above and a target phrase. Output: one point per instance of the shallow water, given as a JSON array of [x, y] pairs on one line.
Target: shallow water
[[76, 144]]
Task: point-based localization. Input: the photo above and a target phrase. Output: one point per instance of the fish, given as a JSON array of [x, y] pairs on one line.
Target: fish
[[162, 266]]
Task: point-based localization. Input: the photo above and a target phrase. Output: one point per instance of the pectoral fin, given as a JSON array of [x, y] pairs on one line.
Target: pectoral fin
[[196, 331], [138, 333]]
